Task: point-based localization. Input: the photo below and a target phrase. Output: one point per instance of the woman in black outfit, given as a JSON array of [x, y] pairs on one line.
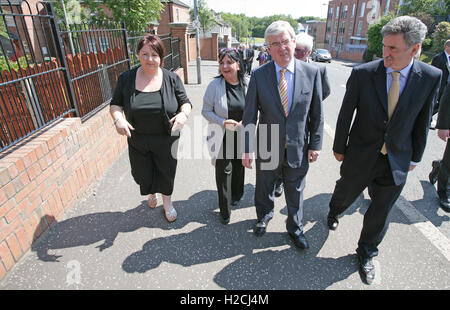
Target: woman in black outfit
[[223, 106], [150, 107]]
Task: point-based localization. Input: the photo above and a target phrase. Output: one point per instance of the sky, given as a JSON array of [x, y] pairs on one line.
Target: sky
[[261, 8]]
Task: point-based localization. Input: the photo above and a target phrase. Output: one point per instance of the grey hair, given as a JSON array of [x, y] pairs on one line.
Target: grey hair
[[414, 31], [447, 43], [278, 27], [305, 39]]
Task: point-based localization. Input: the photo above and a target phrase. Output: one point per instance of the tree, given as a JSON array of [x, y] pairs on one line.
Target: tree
[[137, 14], [205, 16], [440, 36], [375, 39]]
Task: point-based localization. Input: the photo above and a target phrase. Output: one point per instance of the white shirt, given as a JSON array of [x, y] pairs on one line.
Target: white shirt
[[289, 76]]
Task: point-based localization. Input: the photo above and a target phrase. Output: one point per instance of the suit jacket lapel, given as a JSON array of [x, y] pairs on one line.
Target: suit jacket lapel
[[412, 84], [273, 83], [299, 79], [380, 86]]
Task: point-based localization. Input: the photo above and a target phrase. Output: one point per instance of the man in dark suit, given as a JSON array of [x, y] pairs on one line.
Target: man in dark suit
[[247, 55], [442, 61], [392, 100], [441, 168], [303, 48], [290, 128]]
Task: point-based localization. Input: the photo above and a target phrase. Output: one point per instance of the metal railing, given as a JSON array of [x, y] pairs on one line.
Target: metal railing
[[49, 70]]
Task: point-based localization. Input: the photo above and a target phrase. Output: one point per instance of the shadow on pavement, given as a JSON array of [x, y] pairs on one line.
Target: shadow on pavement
[[92, 228], [265, 269]]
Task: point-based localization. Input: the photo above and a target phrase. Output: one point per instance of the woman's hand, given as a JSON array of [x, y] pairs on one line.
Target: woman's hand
[[231, 124], [123, 127], [178, 121]]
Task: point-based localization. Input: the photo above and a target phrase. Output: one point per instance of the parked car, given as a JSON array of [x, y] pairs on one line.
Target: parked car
[[321, 55]]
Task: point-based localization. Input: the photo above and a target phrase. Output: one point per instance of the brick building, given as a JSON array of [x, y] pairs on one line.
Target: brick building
[[316, 29], [175, 11], [347, 24]]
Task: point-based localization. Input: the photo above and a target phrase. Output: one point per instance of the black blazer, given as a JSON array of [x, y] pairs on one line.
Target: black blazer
[[440, 61], [405, 134], [172, 89], [443, 121]]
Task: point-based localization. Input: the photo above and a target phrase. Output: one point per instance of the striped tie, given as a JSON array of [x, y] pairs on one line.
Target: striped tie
[[393, 95], [282, 86]]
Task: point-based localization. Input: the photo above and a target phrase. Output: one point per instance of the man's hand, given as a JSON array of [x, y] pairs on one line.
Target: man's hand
[[339, 157], [411, 167], [313, 155], [444, 134], [247, 160]]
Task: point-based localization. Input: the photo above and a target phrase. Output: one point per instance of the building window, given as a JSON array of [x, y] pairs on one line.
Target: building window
[[386, 9], [344, 12], [353, 10], [92, 47], [363, 8], [104, 43], [335, 26], [374, 9], [342, 30], [337, 12], [178, 15], [330, 13], [360, 24]]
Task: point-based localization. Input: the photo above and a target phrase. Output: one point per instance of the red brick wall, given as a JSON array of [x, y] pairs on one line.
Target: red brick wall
[[46, 174]]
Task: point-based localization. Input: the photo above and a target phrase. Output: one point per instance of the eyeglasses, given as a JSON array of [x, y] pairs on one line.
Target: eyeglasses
[[278, 44]]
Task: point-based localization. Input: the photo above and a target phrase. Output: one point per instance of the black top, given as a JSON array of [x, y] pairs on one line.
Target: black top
[[236, 101], [146, 113], [172, 91]]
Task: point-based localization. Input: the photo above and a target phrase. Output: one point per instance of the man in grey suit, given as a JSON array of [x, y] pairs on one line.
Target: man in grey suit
[[303, 48], [287, 93], [391, 101]]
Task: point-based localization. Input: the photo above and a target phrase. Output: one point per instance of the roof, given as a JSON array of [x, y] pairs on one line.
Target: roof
[[177, 2]]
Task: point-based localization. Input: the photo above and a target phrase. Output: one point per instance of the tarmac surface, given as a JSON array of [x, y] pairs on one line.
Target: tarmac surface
[[112, 240]]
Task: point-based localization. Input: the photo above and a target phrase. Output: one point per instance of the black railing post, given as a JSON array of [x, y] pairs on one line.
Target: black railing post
[[62, 55], [125, 39]]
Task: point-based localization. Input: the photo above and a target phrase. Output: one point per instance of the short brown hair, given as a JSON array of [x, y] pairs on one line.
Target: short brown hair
[[155, 44]]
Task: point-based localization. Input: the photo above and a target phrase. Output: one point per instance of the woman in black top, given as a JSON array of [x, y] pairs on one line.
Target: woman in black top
[[223, 106], [150, 107]]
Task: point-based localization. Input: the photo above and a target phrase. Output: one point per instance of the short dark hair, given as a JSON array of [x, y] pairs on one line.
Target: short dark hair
[[234, 55], [155, 44]]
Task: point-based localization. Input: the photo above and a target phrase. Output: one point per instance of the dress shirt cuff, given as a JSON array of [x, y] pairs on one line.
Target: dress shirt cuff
[[413, 163]]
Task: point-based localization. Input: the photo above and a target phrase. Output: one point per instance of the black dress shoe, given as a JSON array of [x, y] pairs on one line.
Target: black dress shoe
[[279, 190], [434, 171], [366, 269], [224, 221], [299, 241], [260, 228], [234, 203], [444, 201], [332, 222]]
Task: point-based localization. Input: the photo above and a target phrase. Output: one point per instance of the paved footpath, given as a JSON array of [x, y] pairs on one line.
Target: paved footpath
[[112, 240]]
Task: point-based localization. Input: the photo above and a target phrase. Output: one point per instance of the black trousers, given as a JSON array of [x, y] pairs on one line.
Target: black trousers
[[153, 165], [444, 171], [230, 173], [294, 180], [383, 192]]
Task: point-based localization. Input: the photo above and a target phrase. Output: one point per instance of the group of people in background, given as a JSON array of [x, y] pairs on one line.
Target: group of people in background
[[381, 130]]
